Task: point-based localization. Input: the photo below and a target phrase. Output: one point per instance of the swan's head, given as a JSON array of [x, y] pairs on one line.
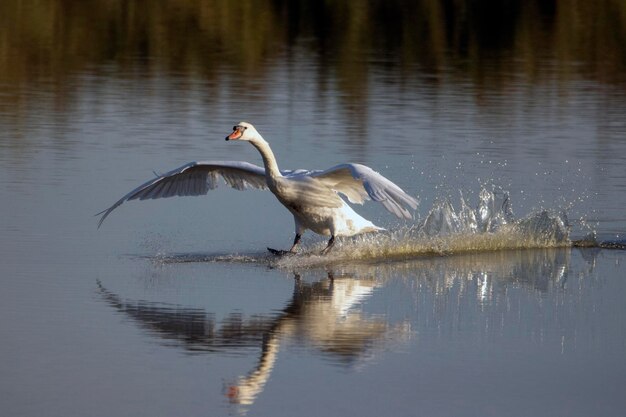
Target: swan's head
[[244, 131]]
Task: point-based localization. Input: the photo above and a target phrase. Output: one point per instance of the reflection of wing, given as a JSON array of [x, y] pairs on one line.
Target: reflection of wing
[[194, 329], [195, 178], [333, 324], [348, 293], [359, 183]]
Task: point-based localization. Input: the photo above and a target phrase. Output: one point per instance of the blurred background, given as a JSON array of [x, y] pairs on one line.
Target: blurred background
[[45, 44]]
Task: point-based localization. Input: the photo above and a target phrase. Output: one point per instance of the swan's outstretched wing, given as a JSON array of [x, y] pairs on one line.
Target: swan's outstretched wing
[[195, 178], [359, 183]]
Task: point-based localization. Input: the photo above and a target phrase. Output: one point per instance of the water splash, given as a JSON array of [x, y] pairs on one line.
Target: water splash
[[491, 226], [445, 230]]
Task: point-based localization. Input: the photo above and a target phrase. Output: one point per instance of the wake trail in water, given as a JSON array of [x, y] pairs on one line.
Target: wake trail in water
[[183, 258], [445, 230]]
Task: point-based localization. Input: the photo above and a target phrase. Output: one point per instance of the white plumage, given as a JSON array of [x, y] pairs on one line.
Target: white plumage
[[311, 196]]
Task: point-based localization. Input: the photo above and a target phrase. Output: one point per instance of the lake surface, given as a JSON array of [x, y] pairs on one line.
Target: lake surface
[[173, 307]]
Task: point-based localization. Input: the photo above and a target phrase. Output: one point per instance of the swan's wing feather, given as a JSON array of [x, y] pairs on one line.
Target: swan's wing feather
[[359, 183], [305, 191], [193, 179]]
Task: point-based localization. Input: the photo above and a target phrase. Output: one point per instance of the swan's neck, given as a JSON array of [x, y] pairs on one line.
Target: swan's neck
[[269, 160]]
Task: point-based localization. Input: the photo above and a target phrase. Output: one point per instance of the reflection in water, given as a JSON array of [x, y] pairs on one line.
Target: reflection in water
[[488, 273], [321, 314], [176, 35], [328, 309], [490, 43], [194, 328]]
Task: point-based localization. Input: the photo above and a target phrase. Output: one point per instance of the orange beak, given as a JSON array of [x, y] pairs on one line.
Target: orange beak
[[235, 135]]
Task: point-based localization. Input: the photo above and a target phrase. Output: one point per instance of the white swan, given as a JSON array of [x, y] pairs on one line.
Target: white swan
[[311, 196]]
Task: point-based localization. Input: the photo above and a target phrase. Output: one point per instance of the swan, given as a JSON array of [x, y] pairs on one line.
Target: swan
[[312, 197]]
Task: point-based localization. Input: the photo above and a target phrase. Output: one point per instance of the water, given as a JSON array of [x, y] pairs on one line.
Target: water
[[510, 134]]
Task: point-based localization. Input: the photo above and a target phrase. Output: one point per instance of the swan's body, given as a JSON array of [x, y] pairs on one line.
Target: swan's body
[[311, 196]]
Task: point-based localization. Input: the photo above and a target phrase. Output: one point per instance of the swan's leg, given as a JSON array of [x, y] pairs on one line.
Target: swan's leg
[[296, 241], [331, 243]]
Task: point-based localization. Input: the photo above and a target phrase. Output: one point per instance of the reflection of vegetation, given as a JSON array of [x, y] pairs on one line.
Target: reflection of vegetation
[[43, 39]]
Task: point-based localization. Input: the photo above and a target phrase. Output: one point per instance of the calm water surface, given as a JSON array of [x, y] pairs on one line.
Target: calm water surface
[[173, 308]]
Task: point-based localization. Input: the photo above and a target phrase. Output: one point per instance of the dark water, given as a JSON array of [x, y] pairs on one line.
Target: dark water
[[173, 307]]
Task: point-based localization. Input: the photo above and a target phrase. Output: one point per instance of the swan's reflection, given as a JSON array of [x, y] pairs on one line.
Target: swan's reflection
[[326, 313], [323, 314]]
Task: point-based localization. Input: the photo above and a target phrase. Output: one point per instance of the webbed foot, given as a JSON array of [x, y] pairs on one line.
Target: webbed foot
[[280, 252]]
